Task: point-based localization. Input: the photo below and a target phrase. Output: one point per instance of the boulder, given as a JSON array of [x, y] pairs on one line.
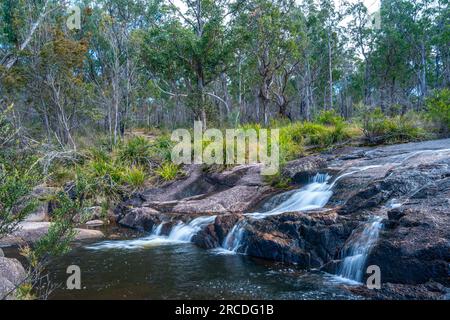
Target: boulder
[[95, 223], [12, 274], [88, 214], [300, 170], [31, 232], [42, 193]]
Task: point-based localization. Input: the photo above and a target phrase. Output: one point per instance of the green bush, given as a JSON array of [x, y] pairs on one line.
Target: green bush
[[15, 203], [168, 171], [134, 177], [439, 108], [329, 118], [161, 149], [379, 128], [135, 152]]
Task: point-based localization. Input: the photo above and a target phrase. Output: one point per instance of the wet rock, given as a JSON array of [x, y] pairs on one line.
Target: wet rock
[[223, 225], [300, 170], [144, 219], [394, 291], [1, 253], [207, 238], [309, 240], [213, 235]]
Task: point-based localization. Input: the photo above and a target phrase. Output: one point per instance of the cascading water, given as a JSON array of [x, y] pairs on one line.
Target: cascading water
[[184, 232], [356, 253], [314, 195], [181, 233]]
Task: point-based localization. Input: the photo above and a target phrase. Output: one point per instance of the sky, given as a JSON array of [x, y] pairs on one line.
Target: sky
[[372, 5]]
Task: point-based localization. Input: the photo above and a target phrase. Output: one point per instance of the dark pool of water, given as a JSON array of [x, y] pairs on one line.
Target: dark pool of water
[[183, 271]]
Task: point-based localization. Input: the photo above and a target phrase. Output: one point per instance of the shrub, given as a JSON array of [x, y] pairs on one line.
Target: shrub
[[329, 118], [291, 141], [168, 171], [378, 128], [15, 201], [439, 108], [161, 148], [134, 177], [135, 152]]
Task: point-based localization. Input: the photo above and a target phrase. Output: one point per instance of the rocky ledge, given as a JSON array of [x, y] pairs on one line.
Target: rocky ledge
[[407, 185]]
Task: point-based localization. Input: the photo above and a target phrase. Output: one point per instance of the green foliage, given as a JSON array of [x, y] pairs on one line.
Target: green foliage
[[291, 142], [161, 148], [168, 171], [57, 241], [134, 177], [15, 203], [439, 108], [379, 128], [136, 151], [329, 118]]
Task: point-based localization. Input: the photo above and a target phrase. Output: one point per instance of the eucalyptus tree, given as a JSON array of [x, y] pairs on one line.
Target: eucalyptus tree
[[188, 51]]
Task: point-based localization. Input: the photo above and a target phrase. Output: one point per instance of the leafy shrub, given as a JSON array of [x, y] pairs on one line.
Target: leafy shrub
[[15, 203], [439, 108], [168, 171], [136, 151], [378, 128], [134, 177], [161, 148], [291, 141], [329, 118]]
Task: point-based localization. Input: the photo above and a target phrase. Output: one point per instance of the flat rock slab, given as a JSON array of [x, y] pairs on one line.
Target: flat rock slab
[[95, 223], [30, 232]]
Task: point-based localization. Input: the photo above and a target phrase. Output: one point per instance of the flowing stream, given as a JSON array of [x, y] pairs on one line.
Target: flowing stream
[[169, 266]]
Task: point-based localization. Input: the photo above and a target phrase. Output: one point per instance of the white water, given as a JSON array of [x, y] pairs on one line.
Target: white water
[[181, 233], [314, 195], [355, 255]]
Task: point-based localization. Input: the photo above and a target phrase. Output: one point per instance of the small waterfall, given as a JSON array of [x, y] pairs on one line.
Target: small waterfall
[[233, 241], [181, 233], [355, 255], [315, 195], [184, 232]]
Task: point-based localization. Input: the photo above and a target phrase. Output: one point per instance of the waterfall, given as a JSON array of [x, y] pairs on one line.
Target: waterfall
[[184, 232], [233, 240], [181, 233], [314, 195], [356, 253]]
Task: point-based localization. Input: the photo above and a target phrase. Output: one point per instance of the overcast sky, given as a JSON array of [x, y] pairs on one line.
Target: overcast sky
[[372, 5]]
